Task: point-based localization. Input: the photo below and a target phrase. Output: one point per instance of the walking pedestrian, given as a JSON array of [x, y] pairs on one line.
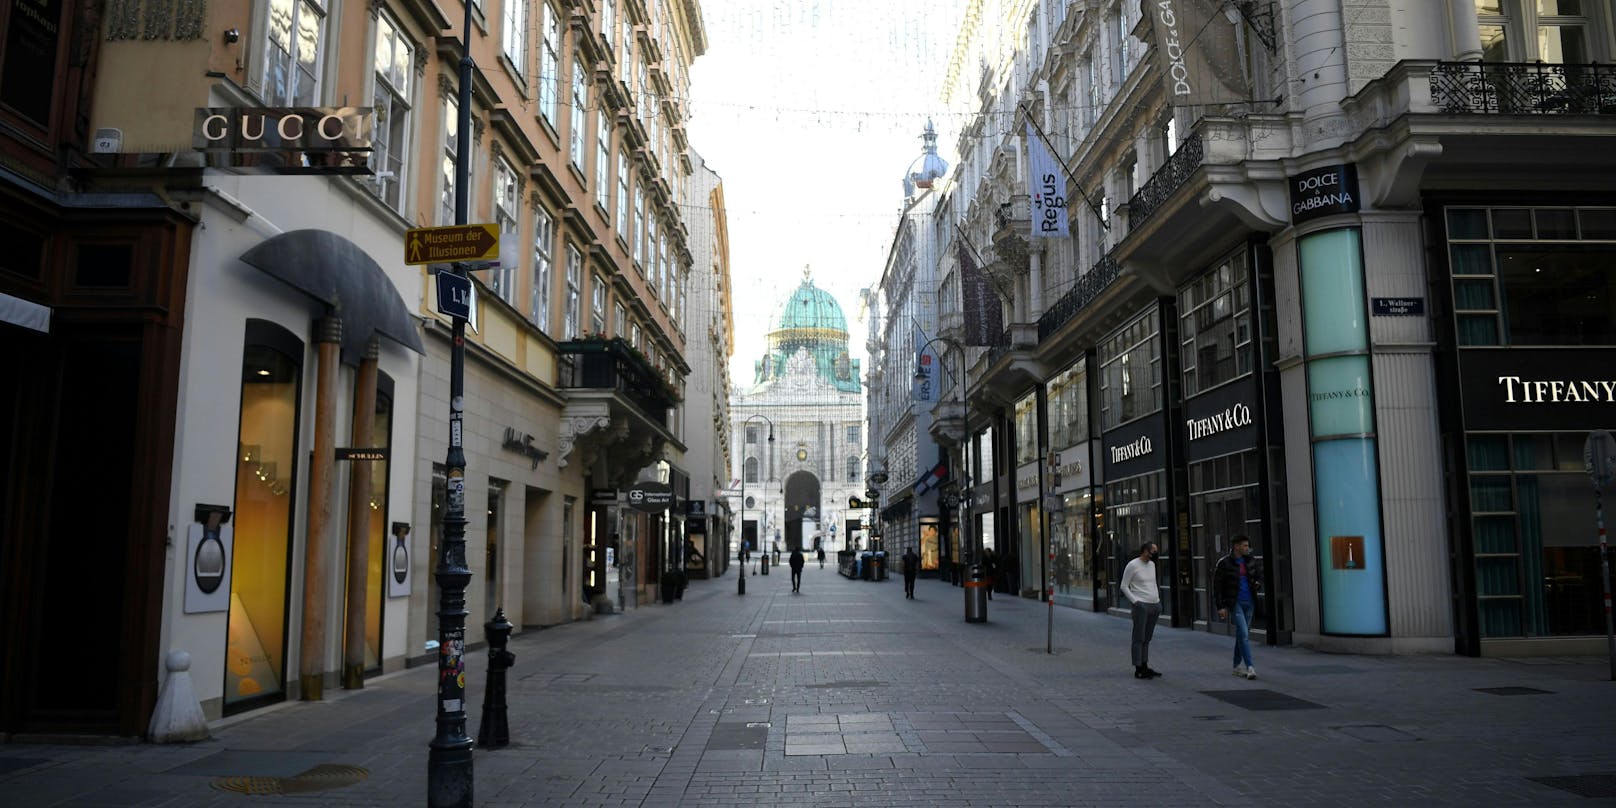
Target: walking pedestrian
[[1139, 585], [1236, 582], [796, 569], [990, 570], [821, 556], [911, 568]]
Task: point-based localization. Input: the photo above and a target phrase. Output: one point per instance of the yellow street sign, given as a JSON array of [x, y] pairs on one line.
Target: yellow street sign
[[460, 242]]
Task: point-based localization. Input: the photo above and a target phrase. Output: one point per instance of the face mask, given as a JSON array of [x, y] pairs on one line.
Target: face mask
[[1155, 554]]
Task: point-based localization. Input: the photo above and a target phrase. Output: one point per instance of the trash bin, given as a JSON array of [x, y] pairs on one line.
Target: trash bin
[[976, 596], [880, 565], [867, 566]]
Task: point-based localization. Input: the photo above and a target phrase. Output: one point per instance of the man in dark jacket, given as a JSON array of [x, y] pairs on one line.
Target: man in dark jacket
[[1236, 582], [796, 569], [911, 568]]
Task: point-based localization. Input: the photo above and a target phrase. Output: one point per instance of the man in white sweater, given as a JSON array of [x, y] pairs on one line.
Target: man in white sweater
[[1139, 585]]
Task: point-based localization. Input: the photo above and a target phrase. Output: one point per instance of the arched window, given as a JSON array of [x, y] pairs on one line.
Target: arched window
[[852, 469], [751, 469]]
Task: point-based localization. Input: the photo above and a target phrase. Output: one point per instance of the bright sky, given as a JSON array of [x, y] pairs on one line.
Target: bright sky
[[811, 111]]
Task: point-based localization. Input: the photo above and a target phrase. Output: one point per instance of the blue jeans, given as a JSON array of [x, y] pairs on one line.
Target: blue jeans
[[1241, 615]]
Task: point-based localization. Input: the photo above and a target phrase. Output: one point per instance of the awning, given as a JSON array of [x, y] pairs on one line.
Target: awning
[[340, 274]]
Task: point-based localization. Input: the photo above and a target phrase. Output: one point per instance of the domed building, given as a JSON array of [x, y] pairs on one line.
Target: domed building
[[806, 392]]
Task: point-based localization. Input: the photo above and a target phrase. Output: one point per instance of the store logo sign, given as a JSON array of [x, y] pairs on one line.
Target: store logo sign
[[1557, 391], [1232, 417], [1131, 451], [1332, 395], [1324, 192]]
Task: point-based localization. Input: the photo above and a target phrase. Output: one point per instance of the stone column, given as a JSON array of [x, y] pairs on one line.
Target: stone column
[[1464, 30], [321, 525], [359, 480]]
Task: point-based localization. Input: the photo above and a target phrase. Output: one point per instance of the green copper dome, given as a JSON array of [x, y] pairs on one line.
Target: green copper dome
[[810, 328]]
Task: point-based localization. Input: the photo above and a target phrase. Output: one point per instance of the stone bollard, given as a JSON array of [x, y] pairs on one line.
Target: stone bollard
[[495, 731], [178, 716]]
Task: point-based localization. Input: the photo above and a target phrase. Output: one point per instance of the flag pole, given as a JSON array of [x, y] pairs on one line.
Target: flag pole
[[1033, 119]]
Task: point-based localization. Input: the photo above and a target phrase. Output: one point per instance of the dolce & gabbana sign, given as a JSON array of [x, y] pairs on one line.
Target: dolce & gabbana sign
[[1221, 420], [1538, 388], [1134, 449], [1324, 192]]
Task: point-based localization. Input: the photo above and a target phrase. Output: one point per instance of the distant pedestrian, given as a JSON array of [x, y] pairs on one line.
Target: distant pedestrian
[[1139, 585], [990, 570], [1236, 582], [821, 556], [911, 568], [796, 569]]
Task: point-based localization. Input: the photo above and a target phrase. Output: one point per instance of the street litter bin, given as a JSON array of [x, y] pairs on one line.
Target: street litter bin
[[867, 566], [880, 565], [976, 596]]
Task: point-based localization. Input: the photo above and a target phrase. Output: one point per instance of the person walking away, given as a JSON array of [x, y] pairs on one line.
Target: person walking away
[[1236, 581], [821, 556], [989, 571], [1139, 585], [796, 569], [911, 568]]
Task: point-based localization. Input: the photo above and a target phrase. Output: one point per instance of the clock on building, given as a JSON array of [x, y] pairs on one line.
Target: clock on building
[[802, 454]]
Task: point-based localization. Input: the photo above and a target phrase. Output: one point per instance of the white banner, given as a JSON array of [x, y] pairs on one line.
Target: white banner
[[1047, 184]]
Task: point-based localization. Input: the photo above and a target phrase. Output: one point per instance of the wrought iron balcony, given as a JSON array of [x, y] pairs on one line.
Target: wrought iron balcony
[[1167, 179], [613, 364], [1524, 88], [1089, 286]]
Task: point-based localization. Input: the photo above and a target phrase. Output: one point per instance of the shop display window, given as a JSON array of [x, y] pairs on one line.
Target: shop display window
[[1225, 501], [1536, 556], [1136, 512], [1130, 371], [1069, 534], [1068, 403], [266, 469], [1026, 414]]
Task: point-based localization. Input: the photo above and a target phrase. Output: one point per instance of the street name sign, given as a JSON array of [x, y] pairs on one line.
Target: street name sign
[[454, 295], [460, 242]]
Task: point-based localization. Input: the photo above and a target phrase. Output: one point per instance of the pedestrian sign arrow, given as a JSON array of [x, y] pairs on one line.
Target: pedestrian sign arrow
[[461, 242]]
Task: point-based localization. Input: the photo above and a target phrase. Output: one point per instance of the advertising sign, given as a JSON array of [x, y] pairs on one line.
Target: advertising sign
[[1324, 192], [1538, 388], [650, 497]]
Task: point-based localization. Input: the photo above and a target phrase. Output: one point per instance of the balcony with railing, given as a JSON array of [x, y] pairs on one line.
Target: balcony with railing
[[1088, 287], [1165, 182], [1523, 88], [612, 364]]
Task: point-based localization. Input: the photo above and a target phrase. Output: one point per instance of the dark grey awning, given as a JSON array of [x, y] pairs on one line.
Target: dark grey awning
[[338, 273]]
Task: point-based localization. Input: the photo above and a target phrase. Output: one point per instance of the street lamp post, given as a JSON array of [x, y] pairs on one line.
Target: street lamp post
[[740, 580], [449, 754], [972, 538]]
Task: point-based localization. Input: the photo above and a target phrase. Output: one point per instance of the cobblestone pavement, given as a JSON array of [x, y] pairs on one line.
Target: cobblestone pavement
[[848, 694]]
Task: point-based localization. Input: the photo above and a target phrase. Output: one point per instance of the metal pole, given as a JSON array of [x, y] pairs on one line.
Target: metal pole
[[449, 759], [1604, 569], [740, 582], [974, 536]]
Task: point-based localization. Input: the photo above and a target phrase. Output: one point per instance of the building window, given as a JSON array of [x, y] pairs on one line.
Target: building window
[[608, 18], [623, 223], [1092, 77], [751, 434], [580, 101], [636, 336], [1068, 403], [1130, 372], [506, 201], [293, 56], [549, 65], [627, 55], [1026, 414], [1533, 276], [636, 236], [451, 151], [543, 267], [1553, 31], [650, 240], [574, 293], [1215, 326], [751, 469], [603, 162], [1121, 61], [390, 143], [513, 33], [597, 306], [666, 268], [619, 320], [852, 469], [854, 433]]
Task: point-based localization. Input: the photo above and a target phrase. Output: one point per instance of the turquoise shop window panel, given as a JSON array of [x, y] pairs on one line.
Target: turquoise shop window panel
[[1494, 534], [1497, 575], [1341, 401], [1333, 307], [1500, 617], [1351, 558], [1490, 493]]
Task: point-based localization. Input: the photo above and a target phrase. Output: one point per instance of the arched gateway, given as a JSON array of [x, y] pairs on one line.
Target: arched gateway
[[802, 503]]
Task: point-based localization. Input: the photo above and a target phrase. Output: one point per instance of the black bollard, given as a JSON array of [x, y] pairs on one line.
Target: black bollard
[[495, 732]]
